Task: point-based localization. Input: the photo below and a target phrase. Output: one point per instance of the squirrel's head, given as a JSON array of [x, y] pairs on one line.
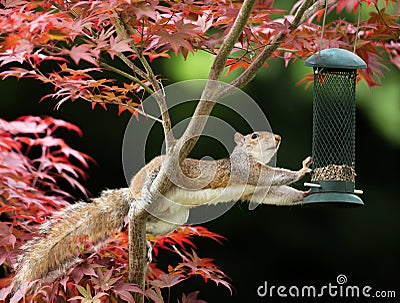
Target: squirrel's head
[[260, 145]]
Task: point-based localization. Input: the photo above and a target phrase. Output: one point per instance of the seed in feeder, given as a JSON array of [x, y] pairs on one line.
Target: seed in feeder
[[334, 172]]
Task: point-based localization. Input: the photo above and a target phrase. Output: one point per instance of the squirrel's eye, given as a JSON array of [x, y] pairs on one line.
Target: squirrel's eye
[[255, 136]]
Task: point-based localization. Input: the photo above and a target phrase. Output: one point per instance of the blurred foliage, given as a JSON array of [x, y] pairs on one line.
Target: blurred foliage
[[382, 105]]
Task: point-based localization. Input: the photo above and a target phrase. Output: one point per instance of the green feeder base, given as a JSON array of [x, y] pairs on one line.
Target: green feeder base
[[333, 193], [333, 199]]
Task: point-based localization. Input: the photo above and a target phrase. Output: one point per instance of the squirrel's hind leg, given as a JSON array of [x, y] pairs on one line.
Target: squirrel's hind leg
[[277, 195]]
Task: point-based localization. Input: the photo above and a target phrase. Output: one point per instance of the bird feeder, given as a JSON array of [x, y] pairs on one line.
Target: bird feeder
[[333, 146]]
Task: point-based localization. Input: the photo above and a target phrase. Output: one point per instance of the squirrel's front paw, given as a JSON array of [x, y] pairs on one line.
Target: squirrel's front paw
[[306, 193], [305, 169], [306, 165]]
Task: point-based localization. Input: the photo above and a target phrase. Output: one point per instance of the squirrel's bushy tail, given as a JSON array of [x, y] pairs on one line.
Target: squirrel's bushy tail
[[49, 256]]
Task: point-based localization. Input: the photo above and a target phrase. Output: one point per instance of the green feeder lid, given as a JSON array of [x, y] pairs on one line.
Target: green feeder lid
[[335, 58]]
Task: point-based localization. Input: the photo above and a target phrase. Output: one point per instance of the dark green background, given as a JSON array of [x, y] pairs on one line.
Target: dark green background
[[282, 245]]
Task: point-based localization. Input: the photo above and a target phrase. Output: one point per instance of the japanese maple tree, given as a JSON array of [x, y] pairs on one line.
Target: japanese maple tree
[[69, 44], [34, 162]]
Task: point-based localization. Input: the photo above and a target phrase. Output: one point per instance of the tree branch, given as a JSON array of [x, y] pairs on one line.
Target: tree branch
[[196, 125], [181, 149], [209, 97], [125, 30], [251, 72]]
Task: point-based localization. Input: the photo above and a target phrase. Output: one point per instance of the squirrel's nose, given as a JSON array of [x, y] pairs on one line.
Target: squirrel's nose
[[277, 139]]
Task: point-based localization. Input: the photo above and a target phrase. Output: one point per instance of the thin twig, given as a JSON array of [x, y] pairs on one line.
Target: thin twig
[[230, 40], [71, 12], [298, 19], [358, 26], [250, 73], [391, 29], [139, 111], [133, 67], [323, 27], [123, 29], [313, 9], [126, 75]]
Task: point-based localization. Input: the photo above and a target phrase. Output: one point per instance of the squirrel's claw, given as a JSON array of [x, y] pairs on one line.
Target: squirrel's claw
[[306, 193], [306, 165], [307, 162]]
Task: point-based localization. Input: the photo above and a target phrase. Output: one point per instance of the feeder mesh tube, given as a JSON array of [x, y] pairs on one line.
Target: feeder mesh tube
[[334, 108]]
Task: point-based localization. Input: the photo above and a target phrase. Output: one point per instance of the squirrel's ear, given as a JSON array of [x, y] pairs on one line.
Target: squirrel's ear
[[239, 138]]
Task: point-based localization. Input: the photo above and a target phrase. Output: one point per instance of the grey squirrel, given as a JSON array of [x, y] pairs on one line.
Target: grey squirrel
[[244, 176]]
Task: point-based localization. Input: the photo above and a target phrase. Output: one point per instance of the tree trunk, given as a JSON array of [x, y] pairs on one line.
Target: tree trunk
[[137, 250]]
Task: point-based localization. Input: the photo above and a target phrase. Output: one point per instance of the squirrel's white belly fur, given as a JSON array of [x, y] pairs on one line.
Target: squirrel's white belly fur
[[173, 210], [193, 198], [175, 206]]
